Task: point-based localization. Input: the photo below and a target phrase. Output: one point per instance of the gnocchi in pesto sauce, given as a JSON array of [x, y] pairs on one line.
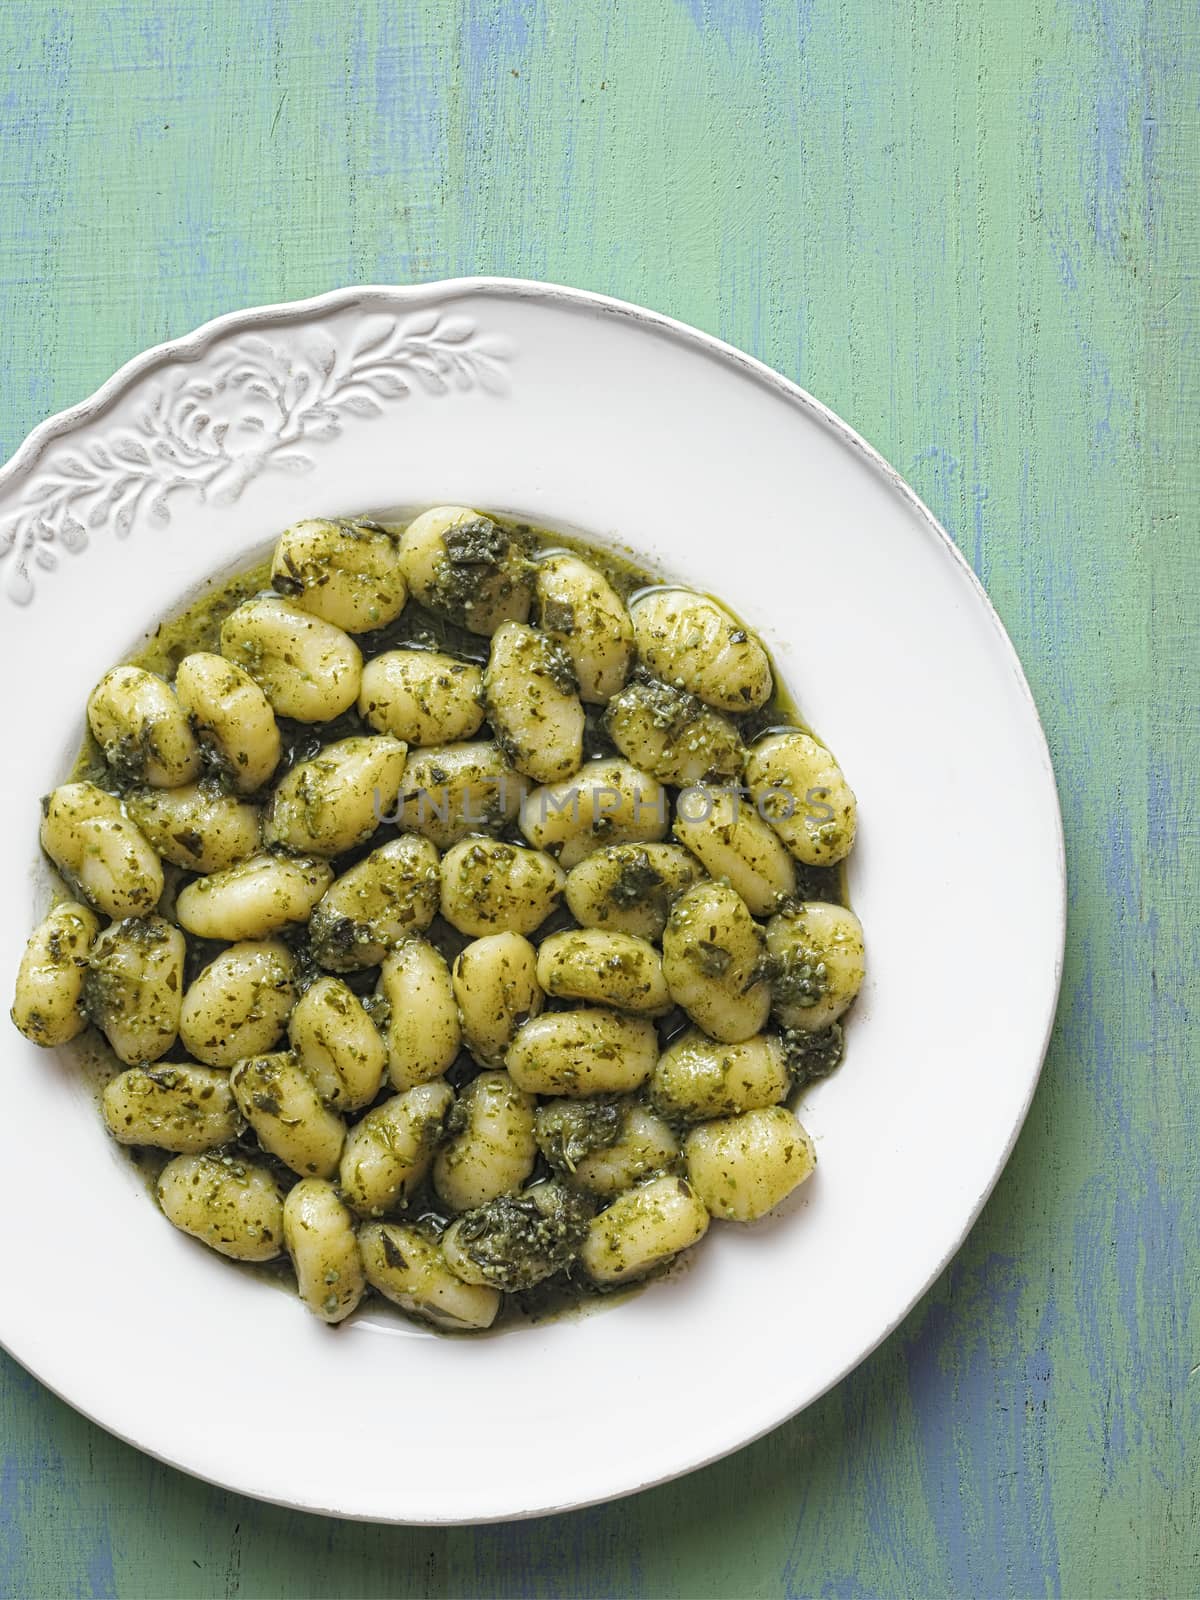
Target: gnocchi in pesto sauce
[[456, 917]]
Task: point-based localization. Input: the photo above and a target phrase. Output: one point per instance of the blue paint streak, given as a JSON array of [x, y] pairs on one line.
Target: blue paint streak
[[101, 1578], [732, 19], [499, 31], [981, 1400], [1106, 181]]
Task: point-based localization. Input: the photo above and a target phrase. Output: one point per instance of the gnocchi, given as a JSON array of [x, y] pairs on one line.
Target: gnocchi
[[308, 669], [90, 838], [423, 1032], [697, 1077], [239, 1005], [320, 1235], [48, 1004], [601, 968], [713, 961], [231, 1205], [280, 1102], [408, 1266], [257, 897], [742, 1167], [377, 904], [197, 826], [232, 719], [733, 842], [529, 690], [580, 611], [133, 990], [422, 696], [514, 1242], [800, 790], [496, 989], [642, 1229], [326, 806], [628, 888], [347, 573], [487, 885], [818, 963], [606, 802], [388, 1153], [138, 722], [454, 790], [607, 1145], [490, 1148], [338, 1045], [468, 568], [178, 1107], [455, 935], [670, 733], [582, 1052], [688, 640]]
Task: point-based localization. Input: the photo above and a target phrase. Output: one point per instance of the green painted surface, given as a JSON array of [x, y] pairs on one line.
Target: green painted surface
[[970, 229]]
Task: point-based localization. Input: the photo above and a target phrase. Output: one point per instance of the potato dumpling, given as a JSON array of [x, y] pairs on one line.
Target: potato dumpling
[[422, 696], [99, 850], [604, 1145], [347, 573], [610, 969], [672, 734], [642, 1229], [253, 899], [134, 987], [198, 826], [532, 703], [689, 641], [628, 888], [698, 1077], [378, 903], [337, 799], [582, 1052], [606, 802], [801, 791], [518, 1240], [488, 885], [406, 1266], [171, 1106], [232, 1205], [280, 1102], [389, 1152], [47, 1003], [338, 1045], [818, 961], [490, 1148], [232, 719], [320, 1236], [577, 607], [453, 790], [423, 1033], [742, 1167], [142, 729], [466, 567], [308, 669], [496, 987], [239, 1005], [727, 835], [713, 962]]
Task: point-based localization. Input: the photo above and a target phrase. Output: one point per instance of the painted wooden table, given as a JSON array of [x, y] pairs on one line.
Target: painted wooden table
[[969, 228]]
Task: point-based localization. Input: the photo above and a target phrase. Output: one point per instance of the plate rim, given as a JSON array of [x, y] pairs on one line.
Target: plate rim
[[190, 347]]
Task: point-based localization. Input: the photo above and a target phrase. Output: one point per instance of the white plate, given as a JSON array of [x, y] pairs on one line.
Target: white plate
[[586, 414]]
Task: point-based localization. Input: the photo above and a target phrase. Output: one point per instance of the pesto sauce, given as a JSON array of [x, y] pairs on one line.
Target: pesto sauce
[[197, 627]]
